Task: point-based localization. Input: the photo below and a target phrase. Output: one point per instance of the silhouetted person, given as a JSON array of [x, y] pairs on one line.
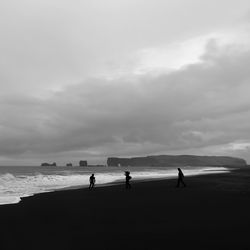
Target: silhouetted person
[[180, 178], [91, 181], [127, 178]]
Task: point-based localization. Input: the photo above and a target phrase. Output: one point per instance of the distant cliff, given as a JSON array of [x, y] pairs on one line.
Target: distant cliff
[[177, 160]]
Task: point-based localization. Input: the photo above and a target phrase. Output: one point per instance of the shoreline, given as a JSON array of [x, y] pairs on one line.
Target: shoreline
[[212, 212], [121, 182]]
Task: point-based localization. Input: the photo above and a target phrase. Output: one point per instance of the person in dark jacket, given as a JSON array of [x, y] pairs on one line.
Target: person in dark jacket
[[127, 179], [91, 181], [180, 178]]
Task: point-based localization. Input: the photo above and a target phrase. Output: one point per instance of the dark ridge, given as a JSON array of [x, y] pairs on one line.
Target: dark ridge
[[177, 160]]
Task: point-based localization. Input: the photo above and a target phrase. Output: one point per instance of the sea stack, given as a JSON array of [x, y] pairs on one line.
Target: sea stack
[[45, 164], [83, 163]]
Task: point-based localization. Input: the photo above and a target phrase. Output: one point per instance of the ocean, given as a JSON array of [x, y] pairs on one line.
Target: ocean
[[23, 181]]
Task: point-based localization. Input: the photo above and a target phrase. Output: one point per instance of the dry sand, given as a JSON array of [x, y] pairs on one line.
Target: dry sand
[[212, 212]]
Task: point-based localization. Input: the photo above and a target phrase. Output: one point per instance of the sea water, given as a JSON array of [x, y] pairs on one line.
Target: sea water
[[22, 181]]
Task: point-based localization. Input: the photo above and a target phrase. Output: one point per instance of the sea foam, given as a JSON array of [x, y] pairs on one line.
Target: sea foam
[[21, 183]]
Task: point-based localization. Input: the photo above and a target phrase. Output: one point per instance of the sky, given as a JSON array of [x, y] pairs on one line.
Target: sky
[[91, 79]]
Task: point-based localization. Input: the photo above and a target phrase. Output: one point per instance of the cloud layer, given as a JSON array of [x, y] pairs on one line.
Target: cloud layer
[[88, 80], [203, 107]]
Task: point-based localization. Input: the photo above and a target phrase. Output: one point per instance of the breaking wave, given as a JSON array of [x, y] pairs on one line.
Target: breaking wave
[[13, 186]]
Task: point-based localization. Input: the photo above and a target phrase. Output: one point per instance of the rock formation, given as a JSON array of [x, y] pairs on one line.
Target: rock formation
[[83, 163], [45, 164], [177, 160]]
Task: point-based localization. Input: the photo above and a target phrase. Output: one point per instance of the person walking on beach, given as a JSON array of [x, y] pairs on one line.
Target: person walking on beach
[[127, 179], [91, 181], [180, 178]]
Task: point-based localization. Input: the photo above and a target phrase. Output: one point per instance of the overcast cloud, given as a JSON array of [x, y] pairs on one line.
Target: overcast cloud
[[92, 79]]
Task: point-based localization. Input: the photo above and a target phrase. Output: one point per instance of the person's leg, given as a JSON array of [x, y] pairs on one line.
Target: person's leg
[[183, 183], [178, 182]]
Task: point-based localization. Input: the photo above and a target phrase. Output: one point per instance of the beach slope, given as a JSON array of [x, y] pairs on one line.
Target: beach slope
[[212, 212]]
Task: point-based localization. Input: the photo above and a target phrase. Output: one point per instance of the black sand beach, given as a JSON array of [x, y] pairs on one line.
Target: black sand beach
[[212, 212]]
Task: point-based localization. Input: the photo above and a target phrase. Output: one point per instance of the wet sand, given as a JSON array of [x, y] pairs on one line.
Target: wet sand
[[212, 212]]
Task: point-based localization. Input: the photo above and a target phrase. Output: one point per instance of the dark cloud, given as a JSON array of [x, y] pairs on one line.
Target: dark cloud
[[199, 106]]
